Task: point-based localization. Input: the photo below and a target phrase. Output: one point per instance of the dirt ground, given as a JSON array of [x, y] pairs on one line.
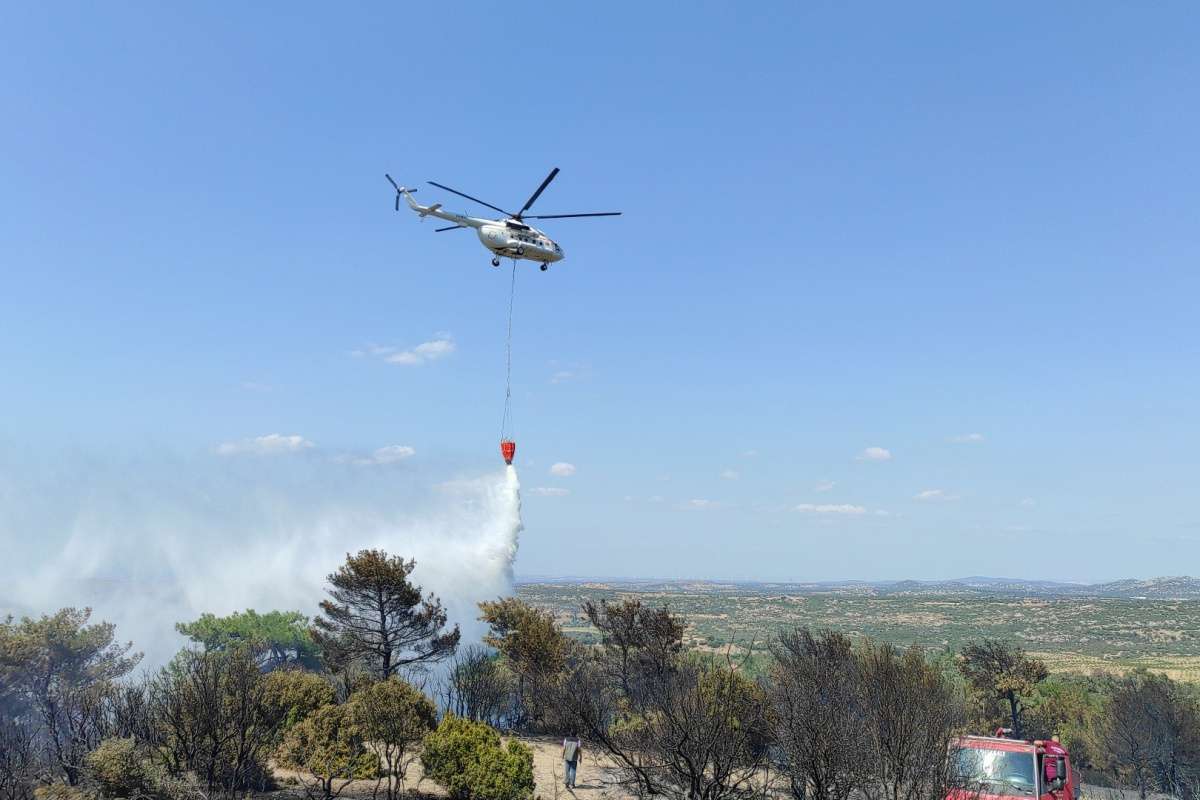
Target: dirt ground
[[594, 779]]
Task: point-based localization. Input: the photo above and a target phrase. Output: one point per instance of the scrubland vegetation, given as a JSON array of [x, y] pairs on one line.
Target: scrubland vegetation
[[378, 682], [1071, 631]]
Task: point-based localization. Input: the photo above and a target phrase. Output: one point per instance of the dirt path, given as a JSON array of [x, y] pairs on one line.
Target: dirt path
[[594, 780]]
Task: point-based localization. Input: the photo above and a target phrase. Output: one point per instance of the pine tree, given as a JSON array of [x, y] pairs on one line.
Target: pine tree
[[374, 613]]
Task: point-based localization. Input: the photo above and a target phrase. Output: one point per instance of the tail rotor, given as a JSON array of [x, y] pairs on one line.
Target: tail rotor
[[399, 189]]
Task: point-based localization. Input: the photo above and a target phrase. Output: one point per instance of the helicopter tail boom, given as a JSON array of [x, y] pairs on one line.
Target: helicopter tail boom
[[413, 204]]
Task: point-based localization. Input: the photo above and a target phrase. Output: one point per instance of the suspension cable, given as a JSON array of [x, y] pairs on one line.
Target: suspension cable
[[506, 420]]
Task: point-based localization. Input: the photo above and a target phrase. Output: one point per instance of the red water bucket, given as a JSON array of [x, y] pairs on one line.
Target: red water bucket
[[508, 449]]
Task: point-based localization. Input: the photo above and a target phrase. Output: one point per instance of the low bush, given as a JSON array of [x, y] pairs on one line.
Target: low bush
[[121, 769], [468, 759], [291, 695], [124, 769], [329, 746], [62, 791]]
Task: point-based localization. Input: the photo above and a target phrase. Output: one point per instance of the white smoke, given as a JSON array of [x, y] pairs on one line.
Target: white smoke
[[152, 543]]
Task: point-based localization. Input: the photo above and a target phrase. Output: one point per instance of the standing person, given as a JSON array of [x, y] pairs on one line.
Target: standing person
[[572, 755]]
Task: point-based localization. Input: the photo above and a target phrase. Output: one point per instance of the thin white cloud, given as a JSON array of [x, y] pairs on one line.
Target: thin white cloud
[[271, 444], [749, 454], [934, 494], [562, 469], [549, 491], [422, 353], [824, 486], [875, 454], [373, 350], [967, 438], [730, 474], [436, 348], [567, 372], [830, 508], [391, 454], [1028, 502], [702, 504]]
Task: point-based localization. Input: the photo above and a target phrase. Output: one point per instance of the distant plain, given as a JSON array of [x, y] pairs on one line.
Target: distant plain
[[1111, 627]]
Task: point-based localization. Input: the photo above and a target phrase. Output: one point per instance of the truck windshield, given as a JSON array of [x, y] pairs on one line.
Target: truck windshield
[[1001, 772]]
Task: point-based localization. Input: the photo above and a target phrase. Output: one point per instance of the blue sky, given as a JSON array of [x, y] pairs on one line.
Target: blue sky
[[963, 234]]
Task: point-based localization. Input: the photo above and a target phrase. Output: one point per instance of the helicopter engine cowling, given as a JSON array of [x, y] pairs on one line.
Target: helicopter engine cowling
[[492, 236]]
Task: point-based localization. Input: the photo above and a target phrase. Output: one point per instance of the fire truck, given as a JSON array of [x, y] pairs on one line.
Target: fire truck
[[996, 767]]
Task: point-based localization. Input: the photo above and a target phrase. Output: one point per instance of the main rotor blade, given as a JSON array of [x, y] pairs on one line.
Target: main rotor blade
[[564, 216], [475, 199], [448, 228], [538, 193]]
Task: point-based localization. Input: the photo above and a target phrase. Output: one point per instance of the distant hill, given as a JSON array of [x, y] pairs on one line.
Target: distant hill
[[1165, 588], [1154, 588]]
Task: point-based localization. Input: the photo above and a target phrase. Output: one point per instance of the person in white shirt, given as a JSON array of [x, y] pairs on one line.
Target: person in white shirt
[[572, 756]]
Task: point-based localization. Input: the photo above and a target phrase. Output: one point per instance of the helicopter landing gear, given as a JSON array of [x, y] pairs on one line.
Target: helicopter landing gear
[[495, 262], [520, 252], [545, 267]]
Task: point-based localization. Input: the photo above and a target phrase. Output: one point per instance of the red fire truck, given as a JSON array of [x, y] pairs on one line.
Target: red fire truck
[[994, 767]]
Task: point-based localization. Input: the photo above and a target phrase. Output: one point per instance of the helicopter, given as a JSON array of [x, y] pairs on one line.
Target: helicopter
[[510, 237]]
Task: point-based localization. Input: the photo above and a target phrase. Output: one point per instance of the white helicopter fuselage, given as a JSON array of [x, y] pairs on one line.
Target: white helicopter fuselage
[[507, 238], [504, 238]]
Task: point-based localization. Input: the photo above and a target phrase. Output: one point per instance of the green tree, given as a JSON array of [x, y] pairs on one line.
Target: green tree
[[282, 638], [534, 648], [62, 668], [1004, 675], [376, 614], [329, 746], [1067, 706], [527, 636], [393, 717], [468, 759]]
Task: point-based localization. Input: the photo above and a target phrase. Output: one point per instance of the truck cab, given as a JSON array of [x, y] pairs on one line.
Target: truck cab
[[995, 767]]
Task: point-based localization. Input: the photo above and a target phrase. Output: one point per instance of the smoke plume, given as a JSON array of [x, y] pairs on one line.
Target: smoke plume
[[150, 543]]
